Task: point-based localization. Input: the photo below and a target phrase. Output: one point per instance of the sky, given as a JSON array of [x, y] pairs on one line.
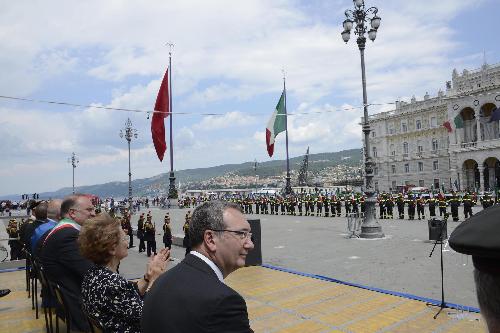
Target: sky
[[228, 59]]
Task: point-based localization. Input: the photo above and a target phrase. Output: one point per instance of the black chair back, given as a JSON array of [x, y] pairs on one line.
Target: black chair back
[[47, 296], [96, 326], [61, 299], [34, 282]]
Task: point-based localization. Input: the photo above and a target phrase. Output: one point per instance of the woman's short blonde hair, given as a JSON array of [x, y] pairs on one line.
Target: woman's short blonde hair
[[98, 237]]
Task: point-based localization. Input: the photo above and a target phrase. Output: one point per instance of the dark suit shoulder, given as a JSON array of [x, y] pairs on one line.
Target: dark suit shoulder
[[190, 298], [230, 314]]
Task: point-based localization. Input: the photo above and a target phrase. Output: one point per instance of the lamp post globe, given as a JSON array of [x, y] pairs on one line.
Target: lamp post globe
[[357, 19]]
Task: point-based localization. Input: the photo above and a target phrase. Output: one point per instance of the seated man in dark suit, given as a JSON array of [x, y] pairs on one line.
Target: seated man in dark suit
[[53, 217], [40, 212], [192, 296], [61, 258]]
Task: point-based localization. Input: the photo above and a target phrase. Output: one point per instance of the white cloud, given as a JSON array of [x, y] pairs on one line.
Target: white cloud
[[184, 138], [228, 55], [228, 120]]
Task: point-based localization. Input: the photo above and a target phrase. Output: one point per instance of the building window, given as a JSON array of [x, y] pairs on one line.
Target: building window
[[420, 166], [434, 145], [393, 168], [374, 134], [376, 186], [433, 122], [421, 183], [375, 171], [405, 148], [436, 184], [393, 151], [374, 150], [394, 185], [391, 130], [435, 165], [420, 148], [418, 124], [404, 127], [407, 168]]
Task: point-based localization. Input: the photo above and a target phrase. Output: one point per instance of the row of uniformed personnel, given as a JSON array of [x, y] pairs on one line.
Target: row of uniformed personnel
[[332, 206]]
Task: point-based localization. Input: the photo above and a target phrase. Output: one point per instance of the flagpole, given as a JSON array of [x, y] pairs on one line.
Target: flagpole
[[288, 187], [172, 192]]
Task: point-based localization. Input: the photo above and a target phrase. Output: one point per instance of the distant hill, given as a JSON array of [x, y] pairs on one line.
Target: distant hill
[[159, 183]]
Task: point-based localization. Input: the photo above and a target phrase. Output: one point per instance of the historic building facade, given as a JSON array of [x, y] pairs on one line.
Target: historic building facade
[[411, 146]]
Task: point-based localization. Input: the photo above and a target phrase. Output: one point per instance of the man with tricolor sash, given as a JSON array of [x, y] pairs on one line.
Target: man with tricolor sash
[[61, 258]]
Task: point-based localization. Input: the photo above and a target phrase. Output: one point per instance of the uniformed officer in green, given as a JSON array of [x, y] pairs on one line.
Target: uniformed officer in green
[[454, 203], [14, 243], [467, 201], [432, 206], [486, 201], [400, 202]]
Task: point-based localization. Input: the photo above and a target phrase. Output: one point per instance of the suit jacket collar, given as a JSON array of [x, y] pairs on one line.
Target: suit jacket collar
[[210, 263], [199, 264]]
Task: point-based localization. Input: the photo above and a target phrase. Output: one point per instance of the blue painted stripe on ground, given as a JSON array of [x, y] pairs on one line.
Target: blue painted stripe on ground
[[384, 291], [7, 270]]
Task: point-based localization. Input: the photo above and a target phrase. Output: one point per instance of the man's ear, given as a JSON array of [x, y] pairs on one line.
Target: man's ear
[[209, 240], [71, 214]]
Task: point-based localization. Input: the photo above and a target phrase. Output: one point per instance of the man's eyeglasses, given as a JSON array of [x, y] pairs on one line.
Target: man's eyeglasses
[[241, 234]]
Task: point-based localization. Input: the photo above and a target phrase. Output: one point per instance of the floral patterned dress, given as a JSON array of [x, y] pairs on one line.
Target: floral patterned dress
[[112, 299]]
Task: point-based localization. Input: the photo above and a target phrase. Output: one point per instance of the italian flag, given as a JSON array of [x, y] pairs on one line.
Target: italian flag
[[276, 124]]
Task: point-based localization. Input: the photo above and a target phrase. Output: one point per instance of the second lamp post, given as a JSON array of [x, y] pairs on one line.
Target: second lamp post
[[74, 161], [128, 133], [359, 16]]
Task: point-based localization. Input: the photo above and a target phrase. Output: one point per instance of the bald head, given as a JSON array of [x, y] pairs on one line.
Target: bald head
[[77, 207], [54, 209]]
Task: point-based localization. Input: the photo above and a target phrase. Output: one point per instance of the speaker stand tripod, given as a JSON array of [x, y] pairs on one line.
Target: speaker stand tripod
[[440, 241]]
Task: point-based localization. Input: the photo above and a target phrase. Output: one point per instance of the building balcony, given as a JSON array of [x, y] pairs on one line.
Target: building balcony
[[474, 146]]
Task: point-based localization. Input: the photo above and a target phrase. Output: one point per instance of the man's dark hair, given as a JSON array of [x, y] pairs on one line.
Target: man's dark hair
[[41, 211], [70, 202], [208, 216]]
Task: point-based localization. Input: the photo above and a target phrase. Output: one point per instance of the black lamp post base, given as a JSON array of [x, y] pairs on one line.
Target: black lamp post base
[[172, 191], [288, 186], [371, 232]]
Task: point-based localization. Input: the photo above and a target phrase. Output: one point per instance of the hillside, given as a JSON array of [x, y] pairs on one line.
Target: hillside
[[159, 183]]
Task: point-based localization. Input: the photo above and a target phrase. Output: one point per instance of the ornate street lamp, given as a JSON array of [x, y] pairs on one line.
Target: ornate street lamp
[[128, 133], [74, 161], [360, 16]]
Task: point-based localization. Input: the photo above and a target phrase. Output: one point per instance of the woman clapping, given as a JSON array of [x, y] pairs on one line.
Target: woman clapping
[[107, 296]]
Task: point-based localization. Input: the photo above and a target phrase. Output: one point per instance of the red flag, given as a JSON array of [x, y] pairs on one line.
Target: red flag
[[158, 123], [447, 125]]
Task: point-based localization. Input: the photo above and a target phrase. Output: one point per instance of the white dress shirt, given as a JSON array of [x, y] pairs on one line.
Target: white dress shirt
[[209, 263]]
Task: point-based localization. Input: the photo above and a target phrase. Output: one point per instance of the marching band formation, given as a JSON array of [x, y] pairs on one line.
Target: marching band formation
[[390, 206]]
